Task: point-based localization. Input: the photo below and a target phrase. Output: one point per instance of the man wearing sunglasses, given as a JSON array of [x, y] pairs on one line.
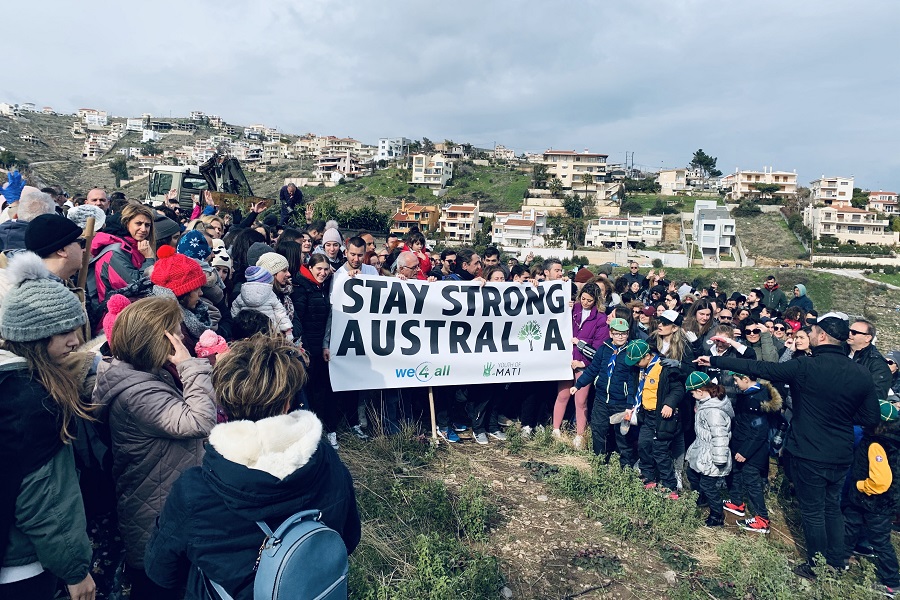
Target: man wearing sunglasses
[[864, 352], [633, 274]]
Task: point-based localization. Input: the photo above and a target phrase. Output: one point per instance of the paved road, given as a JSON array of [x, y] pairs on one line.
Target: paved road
[[856, 274]]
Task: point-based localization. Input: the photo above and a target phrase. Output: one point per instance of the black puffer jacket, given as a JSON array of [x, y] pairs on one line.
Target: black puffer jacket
[[750, 426], [832, 394], [252, 471], [888, 501], [876, 364], [312, 305]]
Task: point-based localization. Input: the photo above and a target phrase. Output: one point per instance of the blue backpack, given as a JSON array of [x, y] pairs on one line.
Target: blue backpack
[[301, 560]]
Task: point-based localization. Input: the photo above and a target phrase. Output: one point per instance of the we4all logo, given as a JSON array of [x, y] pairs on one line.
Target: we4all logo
[[424, 372]]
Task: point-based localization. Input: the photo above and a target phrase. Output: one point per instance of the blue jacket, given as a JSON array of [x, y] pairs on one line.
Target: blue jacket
[[208, 524], [12, 235], [617, 389]]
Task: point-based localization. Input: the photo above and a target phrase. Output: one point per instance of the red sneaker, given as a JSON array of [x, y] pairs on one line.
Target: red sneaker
[[650, 486], [735, 509], [757, 524]]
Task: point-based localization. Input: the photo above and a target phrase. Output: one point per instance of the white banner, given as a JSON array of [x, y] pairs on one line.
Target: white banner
[[388, 333]]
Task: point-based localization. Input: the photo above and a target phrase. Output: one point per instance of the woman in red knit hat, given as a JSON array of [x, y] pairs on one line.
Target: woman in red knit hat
[[182, 277]]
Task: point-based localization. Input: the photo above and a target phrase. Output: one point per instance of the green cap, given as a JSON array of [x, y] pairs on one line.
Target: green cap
[[736, 374], [696, 380], [635, 351], [889, 411], [618, 324]]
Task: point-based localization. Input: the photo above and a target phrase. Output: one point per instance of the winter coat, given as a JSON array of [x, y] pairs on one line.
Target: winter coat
[[670, 392], [802, 300], [115, 263], [261, 297], [876, 364], [774, 299], [312, 306], [723, 376], [876, 465], [253, 471], [832, 394], [765, 348], [750, 427], [594, 331], [157, 426], [41, 511], [12, 235], [617, 389], [709, 454]]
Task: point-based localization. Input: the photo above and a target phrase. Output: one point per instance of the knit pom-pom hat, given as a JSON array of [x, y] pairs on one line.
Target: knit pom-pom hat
[[115, 305], [178, 273], [258, 275], [210, 344], [331, 235], [165, 251], [193, 244], [272, 262]]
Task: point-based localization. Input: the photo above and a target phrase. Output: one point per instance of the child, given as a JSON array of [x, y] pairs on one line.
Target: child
[[708, 457], [660, 391], [755, 400], [874, 499], [257, 294]]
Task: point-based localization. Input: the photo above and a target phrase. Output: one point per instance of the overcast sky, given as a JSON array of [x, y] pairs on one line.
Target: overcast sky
[[801, 85]]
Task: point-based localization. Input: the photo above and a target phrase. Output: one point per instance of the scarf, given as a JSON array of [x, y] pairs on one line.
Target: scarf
[[196, 321], [284, 296]]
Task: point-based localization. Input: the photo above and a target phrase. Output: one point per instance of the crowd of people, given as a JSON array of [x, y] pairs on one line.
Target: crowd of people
[[187, 384]]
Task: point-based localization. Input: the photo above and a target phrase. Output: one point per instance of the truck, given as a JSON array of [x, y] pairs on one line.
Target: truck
[[222, 176]]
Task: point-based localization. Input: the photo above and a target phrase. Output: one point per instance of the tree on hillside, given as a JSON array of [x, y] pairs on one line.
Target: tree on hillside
[[415, 147], [427, 146], [587, 180], [119, 168], [150, 149], [860, 198], [539, 176], [706, 164], [574, 205], [765, 190], [555, 186]]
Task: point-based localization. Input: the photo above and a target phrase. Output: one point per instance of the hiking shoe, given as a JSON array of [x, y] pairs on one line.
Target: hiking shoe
[[481, 438], [498, 435], [539, 430], [650, 486], [805, 571], [886, 591], [557, 434], [448, 434], [757, 524], [332, 439], [864, 551], [578, 442], [526, 432], [358, 432], [735, 509], [459, 427], [714, 520], [504, 421]]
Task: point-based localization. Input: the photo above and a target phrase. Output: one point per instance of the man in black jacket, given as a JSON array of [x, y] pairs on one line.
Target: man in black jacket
[[864, 352], [290, 197], [833, 394]]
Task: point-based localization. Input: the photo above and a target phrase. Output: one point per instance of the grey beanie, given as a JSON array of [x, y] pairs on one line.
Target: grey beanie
[[37, 307], [255, 252]]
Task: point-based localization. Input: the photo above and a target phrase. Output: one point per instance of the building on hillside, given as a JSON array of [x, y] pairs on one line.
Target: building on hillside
[[740, 184], [334, 167], [831, 190], [523, 229], [673, 182], [571, 168], [229, 129], [96, 121], [849, 225], [624, 231], [216, 121], [29, 138], [8, 110], [197, 115], [883, 202], [27, 107], [454, 151], [148, 135], [134, 125], [432, 172], [48, 110], [503, 153], [459, 222], [426, 218], [343, 145], [714, 229], [77, 130], [392, 148]]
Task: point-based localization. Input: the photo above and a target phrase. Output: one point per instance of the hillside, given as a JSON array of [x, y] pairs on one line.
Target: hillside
[[767, 239]]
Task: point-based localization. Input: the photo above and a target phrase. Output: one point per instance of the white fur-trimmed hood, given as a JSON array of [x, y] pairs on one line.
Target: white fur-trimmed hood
[[277, 445]]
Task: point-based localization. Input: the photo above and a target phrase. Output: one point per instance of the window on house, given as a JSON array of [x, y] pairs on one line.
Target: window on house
[[709, 227]]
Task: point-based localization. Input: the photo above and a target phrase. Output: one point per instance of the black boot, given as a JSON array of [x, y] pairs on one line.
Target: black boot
[[715, 520]]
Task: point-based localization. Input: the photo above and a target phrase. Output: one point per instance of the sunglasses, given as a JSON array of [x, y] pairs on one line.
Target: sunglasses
[[725, 317], [752, 332], [779, 328], [890, 362], [82, 242], [856, 332]]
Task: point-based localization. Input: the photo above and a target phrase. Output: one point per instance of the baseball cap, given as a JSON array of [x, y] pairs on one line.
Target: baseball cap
[[635, 350], [618, 324], [671, 317], [834, 325]]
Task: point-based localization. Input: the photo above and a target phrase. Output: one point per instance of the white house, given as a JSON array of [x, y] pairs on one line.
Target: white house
[[831, 190], [883, 202], [624, 231], [392, 148], [714, 228], [523, 229], [459, 222], [431, 171], [134, 125]]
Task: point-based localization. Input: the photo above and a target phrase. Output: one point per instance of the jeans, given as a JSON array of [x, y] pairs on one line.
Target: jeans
[[878, 527], [600, 429], [746, 482], [818, 488], [482, 407], [656, 455], [708, 488], [39, 587]]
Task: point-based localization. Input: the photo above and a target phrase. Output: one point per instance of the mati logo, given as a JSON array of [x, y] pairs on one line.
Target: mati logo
[[424, 372], [488, 367], [504, 369]]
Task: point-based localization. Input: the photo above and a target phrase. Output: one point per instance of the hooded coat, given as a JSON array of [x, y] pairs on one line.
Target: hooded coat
[[261, 297], [802, 300], [750, 430], [253, 471], [312, 306], [709, 454], [593, 331], [157, 426]]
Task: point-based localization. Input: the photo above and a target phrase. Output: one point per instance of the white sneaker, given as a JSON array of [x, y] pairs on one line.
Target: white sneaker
[[332, 439], [526, 432], [358, 432], [481, 438], [578, 442], [498, 435], [557, 434]]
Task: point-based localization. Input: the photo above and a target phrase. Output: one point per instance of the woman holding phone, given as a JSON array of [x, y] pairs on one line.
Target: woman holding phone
[[160, 406]]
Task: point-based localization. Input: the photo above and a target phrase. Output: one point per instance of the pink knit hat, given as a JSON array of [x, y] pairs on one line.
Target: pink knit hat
[[210, 344], [115, 305]]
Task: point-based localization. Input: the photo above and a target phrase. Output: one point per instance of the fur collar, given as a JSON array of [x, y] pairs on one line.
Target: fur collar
[[277, 445]]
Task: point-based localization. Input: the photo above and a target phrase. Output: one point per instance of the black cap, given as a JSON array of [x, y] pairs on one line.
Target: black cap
[[46, 234], [836, 327]]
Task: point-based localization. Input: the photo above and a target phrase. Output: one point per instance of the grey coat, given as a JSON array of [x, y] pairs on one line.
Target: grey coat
[[710, 454], [157, 434]]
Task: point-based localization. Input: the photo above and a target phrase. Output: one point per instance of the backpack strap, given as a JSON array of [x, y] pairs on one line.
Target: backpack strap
[[314, 514]]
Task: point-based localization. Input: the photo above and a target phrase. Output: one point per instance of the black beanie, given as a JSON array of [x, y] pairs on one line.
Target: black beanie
[[46, 234]]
